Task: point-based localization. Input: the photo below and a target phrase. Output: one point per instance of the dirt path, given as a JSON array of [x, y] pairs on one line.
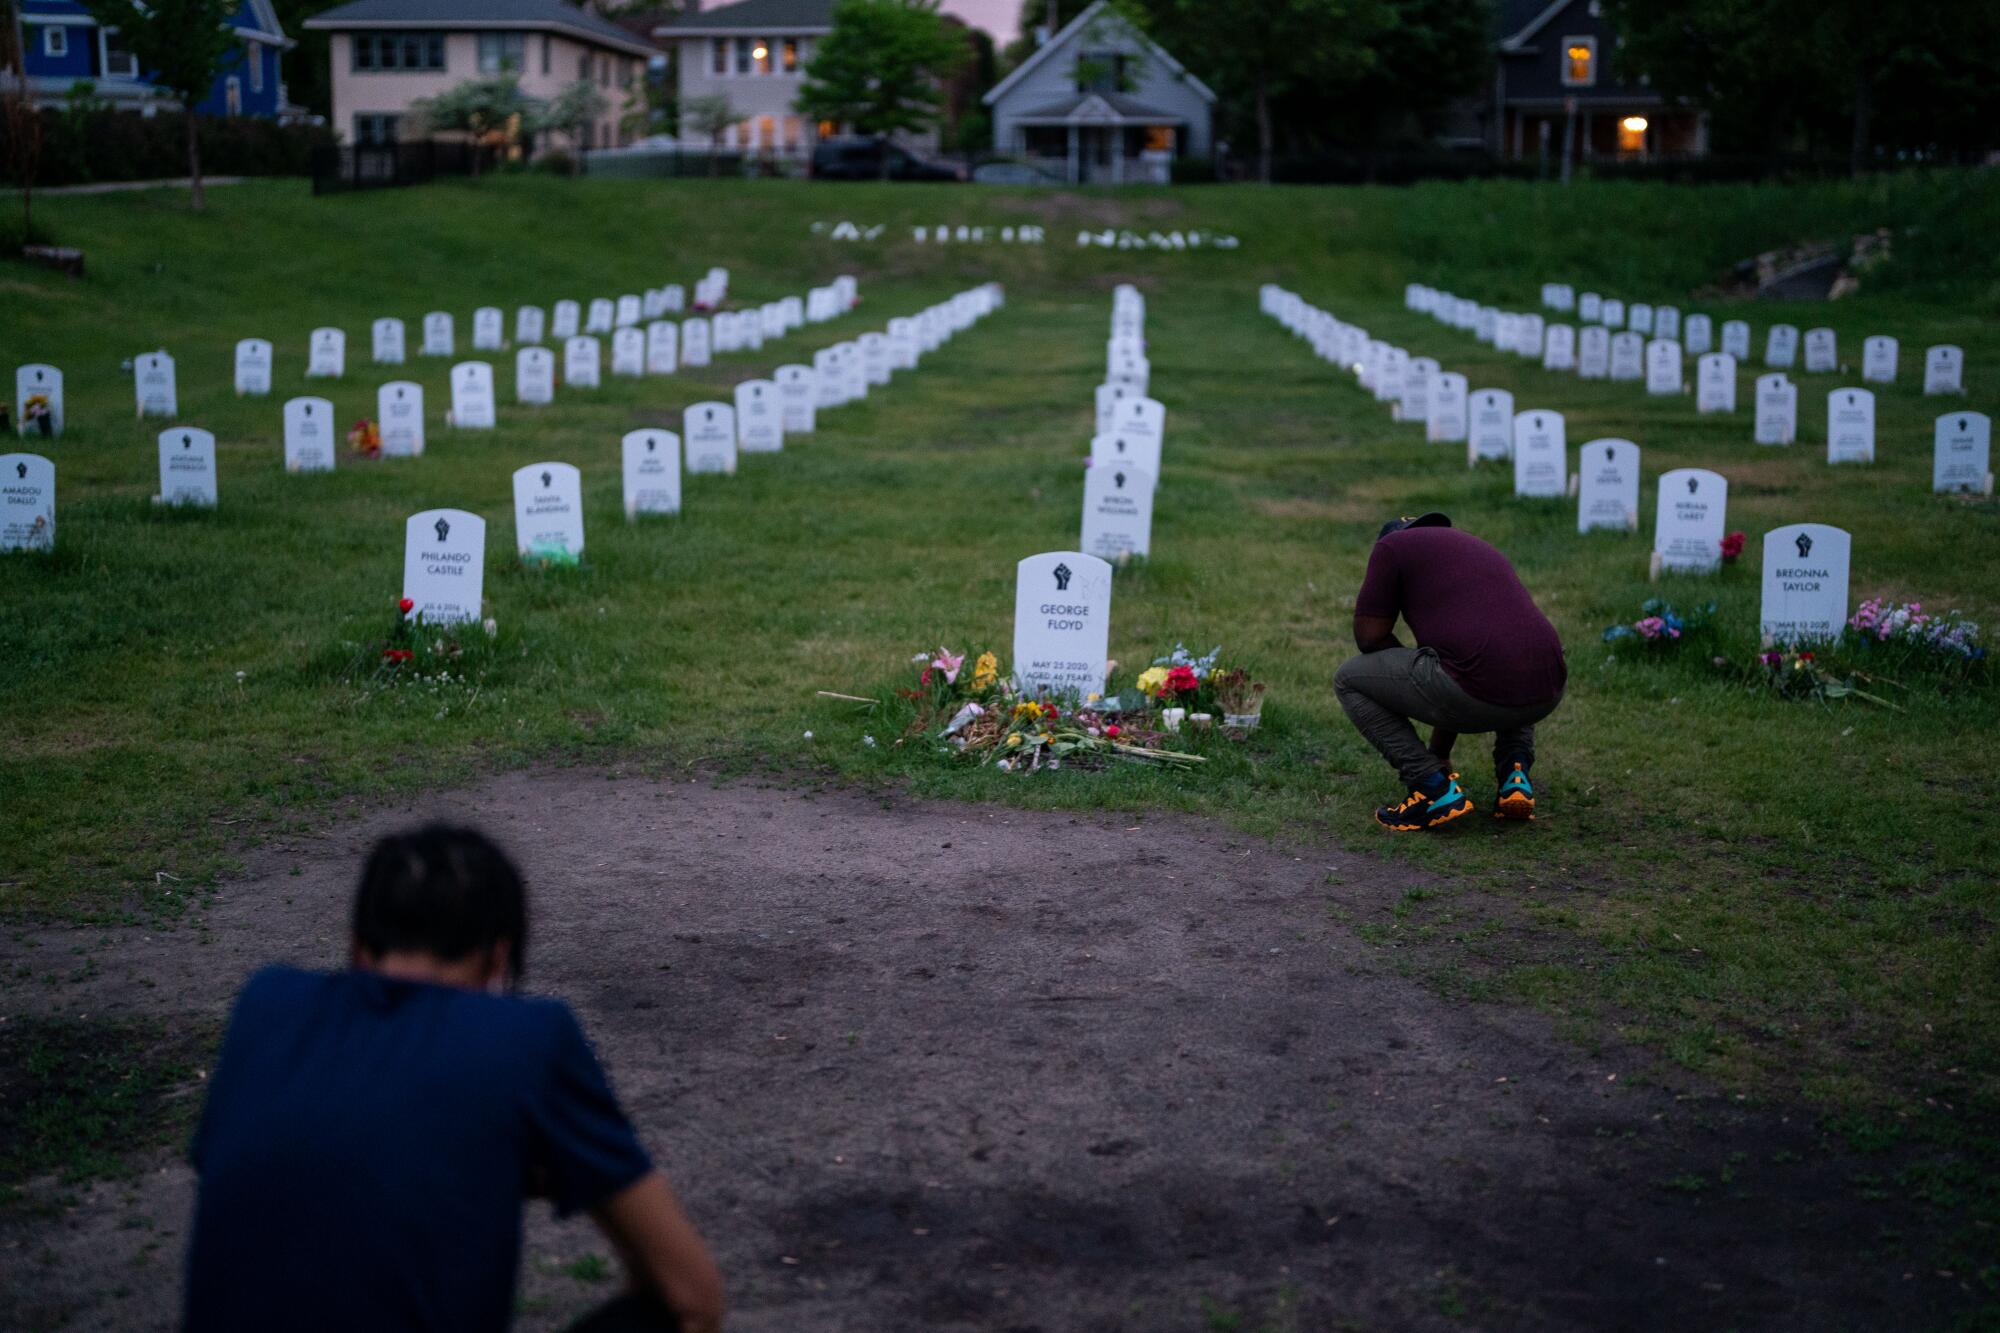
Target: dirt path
[[948, 1066]]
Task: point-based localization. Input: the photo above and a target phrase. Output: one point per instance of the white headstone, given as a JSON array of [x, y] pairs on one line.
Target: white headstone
[[631, 310], [1962, 456], [566, 321], [1144, 419], [1607, 491], [1447, 421], [1663, 367], [1062, 623], [1666, 322], [1109, 396], [253, 367], [1822, 352], [663, 341], [489, 329], [309, 435], [1736, 339], [798, 398], [36, 380], [1690, 520], [399, 410], [386, 338], [1121, 450], [1417, 376], [439, 339], [602, 315], [1613, 314], [1805, 583], [472, 396], [853, 374], [187, 467], [1715, 383], [652, 472], [1593, 352], [1700, 333], [327, 354], [1628, 356], [694, 342], [903, 349], [1529, 333], [829, 380], [1541, 456], [535, 376], [1492, 430], [1559, 347], [1878, 359], [628, 352], [528, 324], [1944, 369], [444, 566], [1639, 318], [673, 298], [581, 356], [1781, 346], [760, 424], [1590, 308], [1777, 409], [708, 432], [548, 511], [153, 382], [875, 357], [27, 503], [1117, 511], [1850, 426]]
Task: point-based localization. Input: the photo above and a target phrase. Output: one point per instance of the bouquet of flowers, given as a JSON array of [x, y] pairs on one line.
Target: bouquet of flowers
[[1240, 698], [36, 414], [1181, 680], [1732, 546], [1663, 624], [1927, 637], [365, 439], [1798, 673]]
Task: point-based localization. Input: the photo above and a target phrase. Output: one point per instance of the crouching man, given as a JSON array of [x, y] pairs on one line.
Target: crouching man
[[1486, 660]]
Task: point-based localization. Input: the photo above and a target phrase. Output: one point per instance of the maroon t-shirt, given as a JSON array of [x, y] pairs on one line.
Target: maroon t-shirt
[[1460, 596]]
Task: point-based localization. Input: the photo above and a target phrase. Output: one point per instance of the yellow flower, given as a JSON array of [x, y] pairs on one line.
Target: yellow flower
[[985, 671], [1030, 711], [1014, 738], [1151, 679], [1046, 738], [1094, 697]]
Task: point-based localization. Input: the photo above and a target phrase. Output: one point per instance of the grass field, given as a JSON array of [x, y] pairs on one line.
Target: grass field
[[1783, 895]]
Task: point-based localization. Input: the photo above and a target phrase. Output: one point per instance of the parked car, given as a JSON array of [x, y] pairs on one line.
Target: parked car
[[861, 160], [1013, 173]]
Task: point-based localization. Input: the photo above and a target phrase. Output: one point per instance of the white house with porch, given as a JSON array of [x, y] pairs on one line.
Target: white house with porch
[[1102, 103]]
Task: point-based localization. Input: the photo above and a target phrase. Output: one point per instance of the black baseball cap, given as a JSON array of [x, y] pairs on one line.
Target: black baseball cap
[[1430, 520]]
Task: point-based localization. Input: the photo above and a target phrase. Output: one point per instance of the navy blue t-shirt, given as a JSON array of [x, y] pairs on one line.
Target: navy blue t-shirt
[[367, 1146]]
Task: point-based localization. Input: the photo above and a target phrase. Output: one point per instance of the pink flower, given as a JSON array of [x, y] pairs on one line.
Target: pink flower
[[945, 662], [1650, 627]]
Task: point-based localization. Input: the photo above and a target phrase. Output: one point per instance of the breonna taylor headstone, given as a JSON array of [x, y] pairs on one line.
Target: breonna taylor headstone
[[309, 432], [444, 566], [548, 511], [1062, 623], [652, 472], [187, 467], [1805, 583], [27, 503], [1688, 524]]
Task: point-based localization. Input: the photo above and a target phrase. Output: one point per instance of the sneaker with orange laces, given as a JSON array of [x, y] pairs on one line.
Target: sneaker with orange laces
[[1426, 809], [1517, 795]]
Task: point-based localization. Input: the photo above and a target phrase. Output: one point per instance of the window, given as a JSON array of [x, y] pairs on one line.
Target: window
[[792, 128], [373, 130], [767, 132], [1632, 134], [791, 55], [721, 62], [383, 51], [119, 62], [742, 55], [55, 41], [502, 51], [1100, 72], [604, 71], [760, 52], [583, 67], [253, 57], [1579, 62]]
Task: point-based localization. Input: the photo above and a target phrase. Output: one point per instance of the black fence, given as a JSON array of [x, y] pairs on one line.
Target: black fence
[[385, 166]]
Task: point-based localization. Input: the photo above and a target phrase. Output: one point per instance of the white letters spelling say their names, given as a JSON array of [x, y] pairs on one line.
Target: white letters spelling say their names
[[187, 467], [444, 565], [1607, 493], [1688, 524], [27, 503], [399, 409], [708, 433], [652, 472], [1062, 623], [309, 435], [1541, 455], [253, 367], [153, 383], [472, 396], [548, 511], [1962, 458], [1117, 511], [1805, 583]]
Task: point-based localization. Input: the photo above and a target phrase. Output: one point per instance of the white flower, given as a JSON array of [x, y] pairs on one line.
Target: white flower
[[809, 735], [492, 627], [868, 741], [242, 675]]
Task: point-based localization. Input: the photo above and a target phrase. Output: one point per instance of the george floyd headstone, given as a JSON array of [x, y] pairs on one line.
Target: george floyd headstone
[[628, 352], [528, 324], [1492, 429], [1607, 492], [1822, 352], [326, 354], [566, 320], [1590, 308], [489, 329], [309, 435], [1805, 583], [1447, 421], [1666, 322], [439, 337], [1700, 335], [1944, 369], [1962, 453], [694, 342], [444, 566], [1781, 347], [580, 362], [798, 398], [1736, 339], [652, 472], [1593, 353], [1715, 383], [472, 396], [535, 376], [1117, 511], [1850, 426], [601, 315], [1628, 357], [708, 433], [631, 310], [1639, 318], [548, 511], [27, 503], [31, 382], [760, 425], [1663, 367], [1690, 520], [1613, 313], [153, 383], [1878, 359], [385, 337], [399, 410], [1777, 409], [187, 467], [663, 341], [1541, 456], [253, 367], [1559, 347], [1062, 623]]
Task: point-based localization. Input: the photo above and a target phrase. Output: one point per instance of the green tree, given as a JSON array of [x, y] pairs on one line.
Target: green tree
[[709, 115], [569, 112], [180, 45], [477, 108], [881, 67]]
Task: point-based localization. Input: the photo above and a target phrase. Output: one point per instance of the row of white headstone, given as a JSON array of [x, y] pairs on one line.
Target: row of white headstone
[[1126, 447], [1805, 595], [444, 551], [1944, 364]]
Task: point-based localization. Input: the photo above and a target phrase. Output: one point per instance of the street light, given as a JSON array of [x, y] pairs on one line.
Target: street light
[[1633, 124]]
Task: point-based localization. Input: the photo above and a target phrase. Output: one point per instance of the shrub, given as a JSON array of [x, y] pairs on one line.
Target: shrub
[[87, 143]]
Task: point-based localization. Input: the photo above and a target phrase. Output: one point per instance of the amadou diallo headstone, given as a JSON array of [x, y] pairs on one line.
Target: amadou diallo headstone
[[27, 503]]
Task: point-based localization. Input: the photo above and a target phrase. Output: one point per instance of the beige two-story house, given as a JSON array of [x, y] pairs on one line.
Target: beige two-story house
[[387, 54], [753, 53]]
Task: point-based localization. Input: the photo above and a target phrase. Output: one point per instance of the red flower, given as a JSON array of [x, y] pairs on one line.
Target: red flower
[[1181, 680], [406, 606], [1111, 730], [1805, 657], [925, 679], [1732, 546], [397, 655]]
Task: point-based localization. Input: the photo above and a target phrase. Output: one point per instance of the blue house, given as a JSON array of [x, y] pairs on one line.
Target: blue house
[[65, 46]]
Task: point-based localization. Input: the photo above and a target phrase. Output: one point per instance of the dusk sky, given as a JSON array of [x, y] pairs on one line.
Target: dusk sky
[[999, 17]]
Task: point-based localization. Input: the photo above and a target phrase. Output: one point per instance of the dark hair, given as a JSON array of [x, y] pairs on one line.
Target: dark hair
[[443, 890]]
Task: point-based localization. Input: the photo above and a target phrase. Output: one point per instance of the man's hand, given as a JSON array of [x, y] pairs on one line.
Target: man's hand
[[662, 1251], [1374, 633]]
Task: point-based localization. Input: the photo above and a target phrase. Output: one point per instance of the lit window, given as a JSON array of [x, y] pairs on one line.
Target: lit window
[[791, 55], [1632, 134], [1579, 66], [761, 53], [55, 41]]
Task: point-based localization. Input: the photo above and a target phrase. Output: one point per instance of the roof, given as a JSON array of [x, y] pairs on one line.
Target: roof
[[1520, 20], [1100, 109], [1048, 49], [758, 17], [541, 15]]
